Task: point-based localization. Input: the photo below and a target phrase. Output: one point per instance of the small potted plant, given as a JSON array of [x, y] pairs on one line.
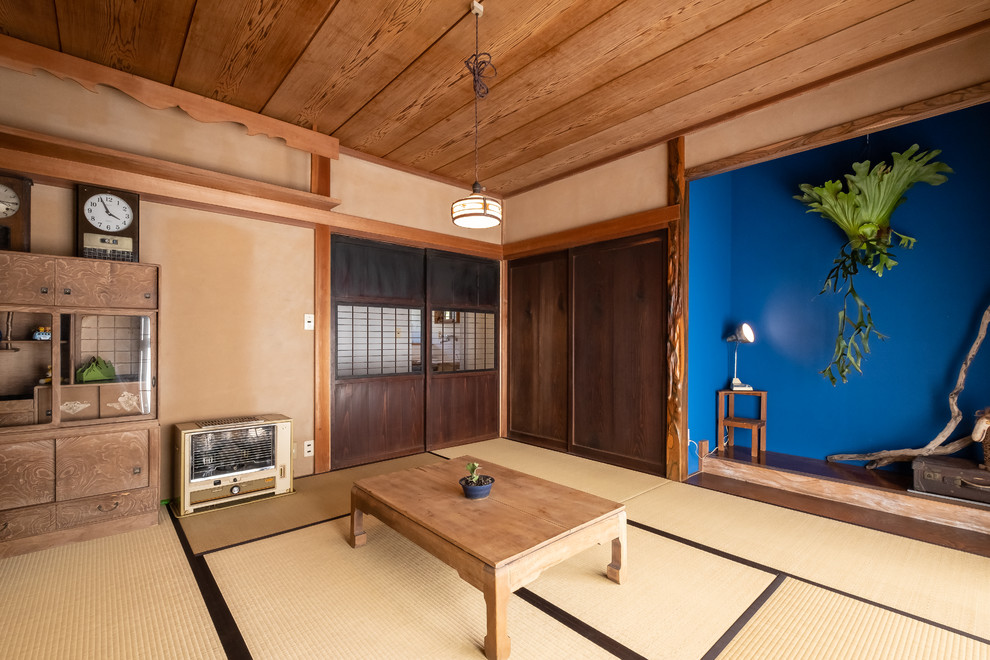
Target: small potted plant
[[476, 486]]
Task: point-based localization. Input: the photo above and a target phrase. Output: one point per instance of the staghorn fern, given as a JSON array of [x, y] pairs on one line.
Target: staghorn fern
[[863, 213]]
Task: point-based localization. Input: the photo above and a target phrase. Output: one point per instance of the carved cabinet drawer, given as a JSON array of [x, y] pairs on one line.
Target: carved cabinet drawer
[[26, 279], [28, 521], [93, 283], [101, 508], [27, 474], [100, 463]]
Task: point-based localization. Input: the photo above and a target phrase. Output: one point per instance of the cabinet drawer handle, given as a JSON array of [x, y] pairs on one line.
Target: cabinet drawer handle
[[100, 507], [44, 289], [67, 292]]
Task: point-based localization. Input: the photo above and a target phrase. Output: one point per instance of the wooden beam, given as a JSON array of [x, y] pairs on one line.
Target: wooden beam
[[375, 229], [323, 351], [677, 242], [61, 162], [24, 57], [905, 114], [629, 225]]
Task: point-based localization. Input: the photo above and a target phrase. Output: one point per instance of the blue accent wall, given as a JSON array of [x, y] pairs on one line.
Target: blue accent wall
[[756, 256]]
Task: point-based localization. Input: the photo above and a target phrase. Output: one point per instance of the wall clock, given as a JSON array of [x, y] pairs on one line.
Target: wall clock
[[15, 213], [107, 223]]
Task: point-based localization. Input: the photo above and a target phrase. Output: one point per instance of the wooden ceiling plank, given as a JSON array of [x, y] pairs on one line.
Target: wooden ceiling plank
[[360, 48], [31, 20], [870, 40], [240, 52], [760, 35], [141, 37], [438, 81], [684, 115], [634, 33]]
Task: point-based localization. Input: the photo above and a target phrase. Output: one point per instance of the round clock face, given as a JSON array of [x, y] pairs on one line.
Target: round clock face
[[108, 212], [9, 201]]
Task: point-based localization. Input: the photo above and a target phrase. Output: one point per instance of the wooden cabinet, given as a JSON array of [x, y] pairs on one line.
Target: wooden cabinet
[[79, 452]]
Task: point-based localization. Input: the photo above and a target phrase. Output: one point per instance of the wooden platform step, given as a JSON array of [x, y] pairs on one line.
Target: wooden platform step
[[872, 498]]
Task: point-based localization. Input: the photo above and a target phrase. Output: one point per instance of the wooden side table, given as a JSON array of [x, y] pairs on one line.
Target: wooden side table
[[756, 426]]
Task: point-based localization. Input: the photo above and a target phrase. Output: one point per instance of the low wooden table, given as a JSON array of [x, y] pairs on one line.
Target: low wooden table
[[497, 544]]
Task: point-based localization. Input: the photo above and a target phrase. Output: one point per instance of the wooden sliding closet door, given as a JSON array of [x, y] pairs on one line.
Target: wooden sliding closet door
[[618, 340], [538, 350]]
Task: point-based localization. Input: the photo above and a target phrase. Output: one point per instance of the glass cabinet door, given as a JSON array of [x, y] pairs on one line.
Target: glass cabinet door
[[108, 367]]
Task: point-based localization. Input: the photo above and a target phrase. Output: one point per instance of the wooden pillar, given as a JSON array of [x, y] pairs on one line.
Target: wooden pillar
[[323, 345], [676, 441]]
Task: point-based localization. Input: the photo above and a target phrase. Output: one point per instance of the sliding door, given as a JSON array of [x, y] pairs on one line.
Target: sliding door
[[538, 350], [378, 300], [462, 380], [618, 340]]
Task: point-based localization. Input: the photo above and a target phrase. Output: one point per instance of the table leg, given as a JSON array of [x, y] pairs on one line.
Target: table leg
[[358, 537], [497, 594], [616, 568]]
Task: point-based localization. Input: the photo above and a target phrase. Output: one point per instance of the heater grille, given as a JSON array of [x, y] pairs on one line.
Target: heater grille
[[227, 421], [231, 451]]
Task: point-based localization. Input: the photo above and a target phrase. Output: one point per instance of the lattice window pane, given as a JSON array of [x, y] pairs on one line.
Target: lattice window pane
[[378, 341]]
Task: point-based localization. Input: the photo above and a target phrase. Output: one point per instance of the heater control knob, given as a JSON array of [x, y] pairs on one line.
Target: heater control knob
[[234, 490]]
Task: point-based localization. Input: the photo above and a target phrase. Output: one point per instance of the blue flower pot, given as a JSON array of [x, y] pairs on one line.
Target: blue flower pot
[[480, 491]]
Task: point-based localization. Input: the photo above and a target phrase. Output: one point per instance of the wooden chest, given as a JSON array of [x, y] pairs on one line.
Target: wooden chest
[[955, 477]]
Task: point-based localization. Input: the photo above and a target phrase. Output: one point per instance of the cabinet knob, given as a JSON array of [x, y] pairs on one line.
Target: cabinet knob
[[147, 296], [101, 509], [67, 292], [44, 289]]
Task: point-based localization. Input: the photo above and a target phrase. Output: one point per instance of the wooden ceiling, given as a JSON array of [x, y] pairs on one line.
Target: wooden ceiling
[[579, 82]]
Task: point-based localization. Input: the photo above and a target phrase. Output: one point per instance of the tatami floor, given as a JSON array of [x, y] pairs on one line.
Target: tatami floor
[[711, 575]]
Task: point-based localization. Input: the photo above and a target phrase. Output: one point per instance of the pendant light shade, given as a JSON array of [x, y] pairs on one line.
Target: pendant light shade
[[476, 211]]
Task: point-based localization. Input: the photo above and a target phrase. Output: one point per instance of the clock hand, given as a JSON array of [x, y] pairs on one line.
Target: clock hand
[[107, 209]]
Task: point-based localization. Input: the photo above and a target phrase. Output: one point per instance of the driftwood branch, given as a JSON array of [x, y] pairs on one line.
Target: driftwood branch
[[935, 447]]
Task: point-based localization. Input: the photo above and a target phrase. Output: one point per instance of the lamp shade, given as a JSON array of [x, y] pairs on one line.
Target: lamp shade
[[476, 211], [744, 334]]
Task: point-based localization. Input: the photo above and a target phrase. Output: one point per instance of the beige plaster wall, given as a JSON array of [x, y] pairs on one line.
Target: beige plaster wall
[[369, 190], [628, 185], [915, 78]]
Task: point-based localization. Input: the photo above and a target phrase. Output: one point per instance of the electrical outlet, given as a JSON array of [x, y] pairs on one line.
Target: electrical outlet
[[308, 448], [309, 321]]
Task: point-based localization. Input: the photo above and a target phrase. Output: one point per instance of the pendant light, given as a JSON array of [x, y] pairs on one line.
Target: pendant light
[[477, 210]]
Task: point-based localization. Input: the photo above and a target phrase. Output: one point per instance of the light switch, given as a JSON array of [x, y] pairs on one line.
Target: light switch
[[309, 321]]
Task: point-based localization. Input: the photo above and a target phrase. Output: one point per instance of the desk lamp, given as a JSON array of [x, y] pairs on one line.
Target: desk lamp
[[743, 335]]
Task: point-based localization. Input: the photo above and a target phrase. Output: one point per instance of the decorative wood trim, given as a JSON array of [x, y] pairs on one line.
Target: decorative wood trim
[[905, 114], [628, 225], [22, 56], [888, 501], [677, 243]]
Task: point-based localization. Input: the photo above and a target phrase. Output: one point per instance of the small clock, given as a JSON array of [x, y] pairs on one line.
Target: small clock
[[15, 213], [107, 223]]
